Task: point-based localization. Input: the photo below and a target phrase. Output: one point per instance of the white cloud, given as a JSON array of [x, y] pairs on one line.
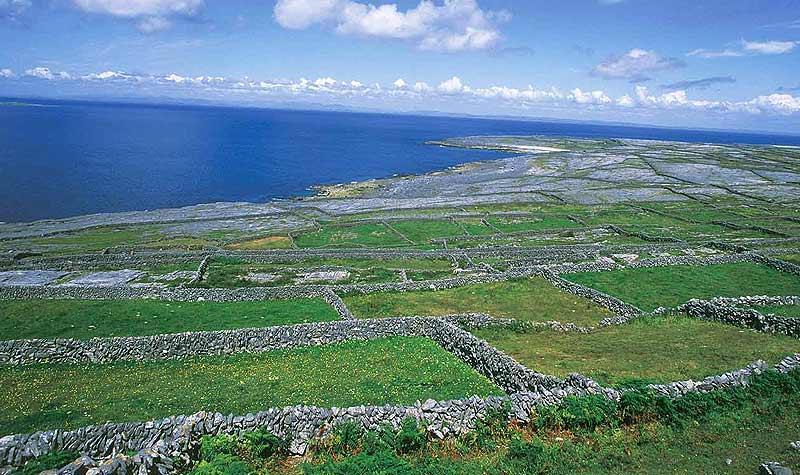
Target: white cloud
[[706, 53], [589, 97], [634, 65], [151, 15], [625, 101], [7, 73], [45, 73], [106, 75], [780, 103], [153, 24], [137, 8], [451, 86], [747, 48], [769, 47], [422, 87], [300, 14], [455, 25], [399, 84]]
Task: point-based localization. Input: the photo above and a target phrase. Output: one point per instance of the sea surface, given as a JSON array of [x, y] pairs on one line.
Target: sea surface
[[71, 158]]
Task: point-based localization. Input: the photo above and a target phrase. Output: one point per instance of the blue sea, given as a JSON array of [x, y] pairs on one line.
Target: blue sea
[[70, 158]]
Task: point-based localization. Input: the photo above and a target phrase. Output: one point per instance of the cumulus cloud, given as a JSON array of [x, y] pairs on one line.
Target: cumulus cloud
[[703, 83], [635, 65], [7, 73], [399, 84], [451, 86], [747, 48], [150, 15], [454, 25], [45, 73]]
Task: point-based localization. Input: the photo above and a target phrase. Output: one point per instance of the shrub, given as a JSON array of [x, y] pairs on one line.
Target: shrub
[[381, 463], [212, 446], [222, 464], [49, 461], [411, 437], [262, 444], [587, 412], [346, 438]]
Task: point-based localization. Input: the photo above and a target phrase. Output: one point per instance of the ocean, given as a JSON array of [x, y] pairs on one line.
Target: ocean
[[70, 158]]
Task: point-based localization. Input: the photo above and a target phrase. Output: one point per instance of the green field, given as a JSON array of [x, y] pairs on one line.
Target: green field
[[782, 310], [83, 319], [532, 299], [360, 235], [392, 370], [654, 349], [671, 286]]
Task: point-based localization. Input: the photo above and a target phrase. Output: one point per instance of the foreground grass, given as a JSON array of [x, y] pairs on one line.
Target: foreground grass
[[84, 319], [392, 370], [671, 286], [532, 299], [725, 432], [659, 349]]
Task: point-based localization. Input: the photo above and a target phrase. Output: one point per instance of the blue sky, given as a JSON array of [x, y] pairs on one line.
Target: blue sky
[[718, 64]]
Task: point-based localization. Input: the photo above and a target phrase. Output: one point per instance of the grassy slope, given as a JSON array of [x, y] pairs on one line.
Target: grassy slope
[[671, 286], [530, 299], [75, 318], [393, 370], [657, 349]]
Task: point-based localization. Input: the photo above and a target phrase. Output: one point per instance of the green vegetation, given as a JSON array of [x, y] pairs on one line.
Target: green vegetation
[[643, 433], [359, 235], [532, 299], [782, 310], [508, 225], [655, 349], [422, 231], [271, 242], [793, 258], [83, 319], [649, 288], [49, 461], [392, 370]]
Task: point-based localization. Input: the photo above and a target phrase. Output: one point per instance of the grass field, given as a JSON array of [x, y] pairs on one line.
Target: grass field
[[532, 299], [392, 370], [360, 235], [654, 287], [782, 310], [654, 349], [83, 319]]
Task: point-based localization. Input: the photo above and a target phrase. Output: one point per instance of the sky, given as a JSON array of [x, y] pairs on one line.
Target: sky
[[731, 64]]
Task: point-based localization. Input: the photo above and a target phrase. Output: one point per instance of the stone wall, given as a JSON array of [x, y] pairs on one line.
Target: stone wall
[[720, 311], [614, 304]]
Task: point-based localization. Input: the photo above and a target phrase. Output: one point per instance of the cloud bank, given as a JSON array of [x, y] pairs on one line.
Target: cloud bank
[[453, 89]]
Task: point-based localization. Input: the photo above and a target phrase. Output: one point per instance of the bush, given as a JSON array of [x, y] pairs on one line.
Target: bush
[[50, 461], [587, 412], [222, 464], [262, 444], [212, 446], [346, 438], [381, 463], [411, 437]]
